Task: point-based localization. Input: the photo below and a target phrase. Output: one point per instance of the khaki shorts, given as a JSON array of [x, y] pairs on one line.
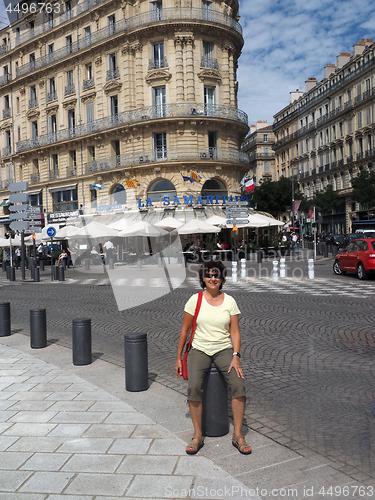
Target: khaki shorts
[[198, 365]]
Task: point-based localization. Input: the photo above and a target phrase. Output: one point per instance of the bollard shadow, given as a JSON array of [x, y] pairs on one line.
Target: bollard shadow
[[52, 341], [97, 355], [16, 330]]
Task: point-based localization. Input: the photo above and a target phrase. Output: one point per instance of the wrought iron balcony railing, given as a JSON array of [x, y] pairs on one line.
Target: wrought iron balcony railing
[[158, 63], [209, 62], [54, 174], [69, 89], [6, 112], [33, 103], [51, 96], [88, 84], [7, 151], [6, 78], [112, 74], [183, 110], [34, 178]]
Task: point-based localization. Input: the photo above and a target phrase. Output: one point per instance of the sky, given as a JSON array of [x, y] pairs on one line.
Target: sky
[[289, 41]]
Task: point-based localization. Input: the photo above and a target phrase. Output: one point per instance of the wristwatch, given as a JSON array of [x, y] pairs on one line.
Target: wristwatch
[[237, 354]]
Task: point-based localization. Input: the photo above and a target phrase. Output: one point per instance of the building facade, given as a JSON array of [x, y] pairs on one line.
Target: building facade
[[326, 135], [106, 105], [259, 147]]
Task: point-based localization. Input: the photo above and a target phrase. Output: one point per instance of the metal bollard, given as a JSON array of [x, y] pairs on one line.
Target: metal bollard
[[111, 264], [12, 274], [325, 250], [36, 274], [215, 420], [335, 251], [4, 265], [160, 262], [275, 273], [61, 273], [259, 256], [234, 271], [38, 328], [4, 319], [136, 362], [55, 272], [82, 341], [87, 264], [243, 268], [7, 271], [311, 269], [139, 263], [282, 267], [32, 269], [41, 265]]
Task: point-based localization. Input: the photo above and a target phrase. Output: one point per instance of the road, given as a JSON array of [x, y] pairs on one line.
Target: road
[[308, 348]]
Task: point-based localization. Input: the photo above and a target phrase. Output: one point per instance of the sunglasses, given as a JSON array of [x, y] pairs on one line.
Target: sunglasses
[[216, 276]]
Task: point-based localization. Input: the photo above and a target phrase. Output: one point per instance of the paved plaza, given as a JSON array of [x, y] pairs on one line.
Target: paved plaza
[[308, 350]]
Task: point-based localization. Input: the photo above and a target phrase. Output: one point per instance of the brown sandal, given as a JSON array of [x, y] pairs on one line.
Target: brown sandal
[[195, 447], [243, 448]]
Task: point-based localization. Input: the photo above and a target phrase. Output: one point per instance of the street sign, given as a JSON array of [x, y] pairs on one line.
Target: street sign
[[18, 198], [51, 231], [19, 216], [19, 208], [18, 186], [237, 203], [239, 213], [237, 221], [35, 229], [19, 225]]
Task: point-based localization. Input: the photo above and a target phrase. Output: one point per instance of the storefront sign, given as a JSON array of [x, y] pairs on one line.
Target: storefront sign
[[108, 208], [188, 200], [57, 217]]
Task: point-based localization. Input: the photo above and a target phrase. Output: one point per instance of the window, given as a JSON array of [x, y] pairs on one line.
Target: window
[[161, 188], [71, 122], [111, 24], [65, 200], [8, 143], [33, 101], [36, 200], [31, 28], [87, 36], [350, 125], [157, 60], [159, 98], [265, 137], [69, 44], [368, 116], [114, 106], [359, 119], [118, 196], [68, 10], [208, 55], [266, 152], [31, 61], [50, 20], [69, 89], [52, 124], [89, 73], [160, 145], [91, 151], [207, 11], [72, 163], [112, 67], [209, 100], [156, 10], [34, 130], [212, 144], [266, 166], [51, 49], [89, 112], [52, 90]]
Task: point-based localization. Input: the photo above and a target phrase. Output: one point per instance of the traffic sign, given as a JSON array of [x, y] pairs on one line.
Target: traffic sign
[[19, 198], [19, 208], [237, 203], [238, 221], [51, 231], [33, 230], [18, 186], [19, 216], [20, 225]]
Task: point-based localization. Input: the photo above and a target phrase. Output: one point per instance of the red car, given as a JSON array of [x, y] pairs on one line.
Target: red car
[[358, 257]]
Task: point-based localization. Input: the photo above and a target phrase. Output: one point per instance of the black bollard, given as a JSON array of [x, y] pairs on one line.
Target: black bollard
[[36, 274], [32, 269], [325, 250], [82, 341], [87, 264], [4, 265], [61, 273], [41, 265], [7, 271], [12, 274], [38, 328], [259, 256], [215, 420], [4, 319], [136, 362], [55, 273]]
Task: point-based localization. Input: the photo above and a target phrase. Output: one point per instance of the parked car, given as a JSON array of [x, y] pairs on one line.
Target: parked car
[[337, 240], [354, 236], [358, 257]]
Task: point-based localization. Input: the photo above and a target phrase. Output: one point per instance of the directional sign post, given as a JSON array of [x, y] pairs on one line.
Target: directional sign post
[[20, 214], [51, 231], [237, 213]]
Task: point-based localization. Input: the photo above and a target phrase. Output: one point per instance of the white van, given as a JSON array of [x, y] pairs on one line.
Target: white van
[[365, 231]]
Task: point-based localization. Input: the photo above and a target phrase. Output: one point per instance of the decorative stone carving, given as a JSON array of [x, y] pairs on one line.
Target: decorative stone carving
[[158, 76], [33, 113], [112, 86], [70, 104], [52, 110], [41, 83], [98, 61], [22, 90], [88, 97], [210, 76]]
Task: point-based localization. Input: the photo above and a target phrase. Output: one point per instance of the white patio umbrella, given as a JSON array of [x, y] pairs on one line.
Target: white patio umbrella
[[197, 226], [66, 232], [169, 223], [216, 220], [122, 224], [96, 230], [264, 220], [142, 228]]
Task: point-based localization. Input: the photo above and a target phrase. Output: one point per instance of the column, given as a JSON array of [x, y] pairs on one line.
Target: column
[[232, 73], [179, 69], [190, 88], [226, 75], [139, 97]]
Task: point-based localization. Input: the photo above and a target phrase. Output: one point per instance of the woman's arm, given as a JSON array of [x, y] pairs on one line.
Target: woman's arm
[[236, 342], [187, 323]]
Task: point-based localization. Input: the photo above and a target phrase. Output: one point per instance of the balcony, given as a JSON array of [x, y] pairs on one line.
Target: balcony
[[69, 90], [183, 110], [158, 63], [349, 159], [33, 103], [112, 74], [53, 174], [3, 49], [51, 96], [34, 178], [88, 84], [183, 14], [6, 78], [340, 163], [7, 151], [326, 166], [6, 183], [6, 112], [369, 153], [209, 62], [71, 171]]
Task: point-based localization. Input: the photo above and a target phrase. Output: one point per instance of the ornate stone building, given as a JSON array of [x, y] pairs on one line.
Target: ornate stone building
[[107, 104], [327, 133], [259, 146]]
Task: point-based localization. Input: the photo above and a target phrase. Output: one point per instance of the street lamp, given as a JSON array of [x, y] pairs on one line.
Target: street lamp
[[293, 168]]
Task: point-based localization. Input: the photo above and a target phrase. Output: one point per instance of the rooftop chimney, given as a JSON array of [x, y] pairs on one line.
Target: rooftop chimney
[[294, 96], [310, 83], [329, 69], [261, 124], [342, 59], [359, 47]]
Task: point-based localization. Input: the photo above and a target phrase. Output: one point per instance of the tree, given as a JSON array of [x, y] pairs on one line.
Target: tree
[[326, 200], [364, 189], [275, 196]]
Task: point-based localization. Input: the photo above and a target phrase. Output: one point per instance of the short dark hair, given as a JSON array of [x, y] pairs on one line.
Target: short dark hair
[[212, 265]]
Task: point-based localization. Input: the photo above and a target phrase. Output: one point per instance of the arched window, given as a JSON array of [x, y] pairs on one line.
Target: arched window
[[214, 187], [161, 188], [118, 195]]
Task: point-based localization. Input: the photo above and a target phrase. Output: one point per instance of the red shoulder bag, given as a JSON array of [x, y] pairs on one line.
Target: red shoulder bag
[[188, 345]]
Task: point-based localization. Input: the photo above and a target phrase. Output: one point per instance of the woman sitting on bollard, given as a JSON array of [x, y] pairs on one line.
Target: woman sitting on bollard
[[216, 339]]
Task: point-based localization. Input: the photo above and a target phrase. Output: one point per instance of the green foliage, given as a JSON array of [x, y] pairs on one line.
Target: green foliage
[[364, 188], [210, 242], [326, 200], [275, 196]]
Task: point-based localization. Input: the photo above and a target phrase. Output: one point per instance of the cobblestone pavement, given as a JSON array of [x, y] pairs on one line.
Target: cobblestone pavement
[[308, 349]]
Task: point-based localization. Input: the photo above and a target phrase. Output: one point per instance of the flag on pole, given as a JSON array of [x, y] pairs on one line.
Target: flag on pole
[[297, 203], [242, 183], [187, 178], [204, 178], [98, 186], [195, 176], [249, 185]]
